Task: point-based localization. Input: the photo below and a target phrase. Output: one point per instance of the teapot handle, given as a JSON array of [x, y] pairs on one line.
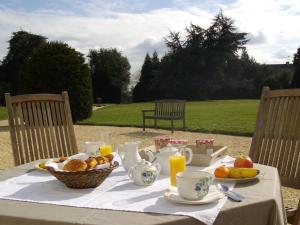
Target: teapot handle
[[150, 154], [190, 155], [158, 167], [130, 173]]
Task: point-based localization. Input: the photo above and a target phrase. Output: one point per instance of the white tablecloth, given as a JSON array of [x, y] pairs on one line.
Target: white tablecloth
[[117, 192]]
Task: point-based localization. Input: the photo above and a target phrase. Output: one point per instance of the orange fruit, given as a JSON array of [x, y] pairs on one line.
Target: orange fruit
[[222, 172]]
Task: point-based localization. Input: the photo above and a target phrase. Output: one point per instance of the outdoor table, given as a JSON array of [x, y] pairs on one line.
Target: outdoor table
[[262, 206]]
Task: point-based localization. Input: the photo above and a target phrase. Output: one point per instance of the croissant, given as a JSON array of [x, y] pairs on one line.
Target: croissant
[[75, 165]]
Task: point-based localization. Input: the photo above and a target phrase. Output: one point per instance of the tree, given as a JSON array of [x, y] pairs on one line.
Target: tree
[[110, 74], [296, 78], [55, 67], [21, 46]]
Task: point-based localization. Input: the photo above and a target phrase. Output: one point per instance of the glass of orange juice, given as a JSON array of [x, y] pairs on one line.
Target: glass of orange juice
[[177, 164], [105, 150]]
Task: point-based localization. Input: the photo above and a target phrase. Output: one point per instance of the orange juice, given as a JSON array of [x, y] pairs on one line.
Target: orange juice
[[177, 164], [105, 150]]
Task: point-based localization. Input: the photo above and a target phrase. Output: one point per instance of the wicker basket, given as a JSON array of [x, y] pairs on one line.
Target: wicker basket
[[83, 179]]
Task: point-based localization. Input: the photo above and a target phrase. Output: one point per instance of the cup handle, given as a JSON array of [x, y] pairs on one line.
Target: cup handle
[[190, 155], [130, 172]]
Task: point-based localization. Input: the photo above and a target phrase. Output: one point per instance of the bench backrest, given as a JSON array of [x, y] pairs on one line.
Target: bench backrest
[[170, 108]]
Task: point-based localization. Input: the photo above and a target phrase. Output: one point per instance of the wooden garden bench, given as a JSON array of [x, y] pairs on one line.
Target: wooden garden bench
[[166, 110]]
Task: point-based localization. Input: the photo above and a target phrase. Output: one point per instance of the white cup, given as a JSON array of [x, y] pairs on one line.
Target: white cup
[[193, 185], [92, 148]]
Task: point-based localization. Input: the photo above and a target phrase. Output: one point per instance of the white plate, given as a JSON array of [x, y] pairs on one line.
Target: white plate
[[213, 195], [237, 180], [36, 166]]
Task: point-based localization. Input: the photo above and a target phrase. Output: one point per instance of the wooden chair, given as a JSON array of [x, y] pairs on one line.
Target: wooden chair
[[166, 110], [40, 126], [276, 140]]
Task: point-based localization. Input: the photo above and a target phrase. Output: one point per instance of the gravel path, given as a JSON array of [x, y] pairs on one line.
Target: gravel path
[[237, 145]]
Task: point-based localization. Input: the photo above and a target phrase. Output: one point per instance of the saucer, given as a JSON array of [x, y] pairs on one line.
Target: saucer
[[213, 195]]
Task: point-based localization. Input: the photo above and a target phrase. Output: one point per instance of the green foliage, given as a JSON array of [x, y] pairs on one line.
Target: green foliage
[[204, 65], [4, 88], [21, 46], [110, 74], [296, 79], [282, 80], [56, 67], [145, 90], [3, 113], [235, 117]]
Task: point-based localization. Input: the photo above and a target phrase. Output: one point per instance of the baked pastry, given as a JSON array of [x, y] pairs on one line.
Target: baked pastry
[[101, 160], [75, 165], [61, 159], [91, 163], [109, 157]]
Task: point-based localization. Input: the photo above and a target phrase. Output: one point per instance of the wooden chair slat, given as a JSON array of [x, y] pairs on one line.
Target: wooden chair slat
[[40, 126], [60, 130], [55, 128], [33, 131], [50, 145], [65, 127], [42, 129], [27, 130]]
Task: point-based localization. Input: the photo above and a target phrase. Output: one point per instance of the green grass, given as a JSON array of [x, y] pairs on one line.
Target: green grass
[[236, 117], [3, 113]]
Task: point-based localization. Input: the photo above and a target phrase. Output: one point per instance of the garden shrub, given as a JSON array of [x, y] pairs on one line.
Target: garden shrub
[[56, 67]]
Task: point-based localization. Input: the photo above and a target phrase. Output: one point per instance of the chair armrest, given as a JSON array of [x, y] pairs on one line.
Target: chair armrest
[[144, 111]]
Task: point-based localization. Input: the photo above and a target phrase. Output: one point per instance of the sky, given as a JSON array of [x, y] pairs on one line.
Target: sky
[[136, 27]]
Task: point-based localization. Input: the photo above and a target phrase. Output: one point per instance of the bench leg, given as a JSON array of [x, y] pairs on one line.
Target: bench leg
[[172, 126], [155, 123], [144, 123]]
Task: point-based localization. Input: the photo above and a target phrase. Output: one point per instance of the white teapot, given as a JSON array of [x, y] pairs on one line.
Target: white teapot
[[131, 156], [144, 173], [163, 157]]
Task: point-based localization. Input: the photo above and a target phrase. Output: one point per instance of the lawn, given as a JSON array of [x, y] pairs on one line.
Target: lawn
[[235, 117], [3, 113]]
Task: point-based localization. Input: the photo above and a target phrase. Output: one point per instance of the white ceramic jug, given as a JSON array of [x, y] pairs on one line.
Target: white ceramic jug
[[144, 173], [131, 154], [163, 157]]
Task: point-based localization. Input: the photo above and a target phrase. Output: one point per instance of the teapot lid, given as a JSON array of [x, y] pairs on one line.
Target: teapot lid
[[143, 162], [168, 149]]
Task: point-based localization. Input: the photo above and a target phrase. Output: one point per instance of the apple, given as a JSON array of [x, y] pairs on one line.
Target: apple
[[243, 162]]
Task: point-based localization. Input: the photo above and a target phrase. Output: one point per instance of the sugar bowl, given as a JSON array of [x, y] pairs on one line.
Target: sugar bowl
[[144, 173]]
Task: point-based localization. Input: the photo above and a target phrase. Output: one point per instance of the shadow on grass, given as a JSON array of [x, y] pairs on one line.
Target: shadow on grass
[[4, 128], [142, 134]]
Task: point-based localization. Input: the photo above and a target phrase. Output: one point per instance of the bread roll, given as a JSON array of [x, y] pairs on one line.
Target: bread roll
[[75, 165], [101, 160], [109, 157], [91, 163]]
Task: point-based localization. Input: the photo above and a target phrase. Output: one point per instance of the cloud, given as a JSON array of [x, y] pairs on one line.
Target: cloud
[[136, 27], [255, 39]]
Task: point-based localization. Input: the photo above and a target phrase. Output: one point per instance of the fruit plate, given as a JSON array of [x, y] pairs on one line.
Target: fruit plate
[[237, 180], [213, 195]]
